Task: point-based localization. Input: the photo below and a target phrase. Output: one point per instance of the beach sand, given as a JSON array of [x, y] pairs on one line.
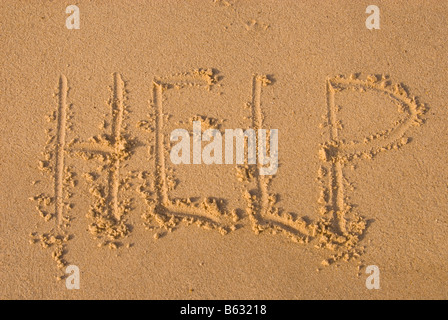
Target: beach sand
[[87, 180]]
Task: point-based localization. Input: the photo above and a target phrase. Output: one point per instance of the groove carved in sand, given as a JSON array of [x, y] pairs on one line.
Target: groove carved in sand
[[341, 225], [112, 149], [263, 213], [60, 148], [54, 165], [209, 213]]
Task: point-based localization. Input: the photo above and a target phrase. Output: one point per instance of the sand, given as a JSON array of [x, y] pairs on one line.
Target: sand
[[87, 180]]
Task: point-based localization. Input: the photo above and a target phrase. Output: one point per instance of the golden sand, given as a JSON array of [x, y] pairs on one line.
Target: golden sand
[[87, 179]]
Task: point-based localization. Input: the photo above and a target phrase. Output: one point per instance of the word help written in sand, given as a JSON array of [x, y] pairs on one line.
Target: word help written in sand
[[339, 227]]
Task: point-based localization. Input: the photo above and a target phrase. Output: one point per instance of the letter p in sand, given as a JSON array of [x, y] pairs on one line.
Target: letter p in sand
[[336, 153]]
